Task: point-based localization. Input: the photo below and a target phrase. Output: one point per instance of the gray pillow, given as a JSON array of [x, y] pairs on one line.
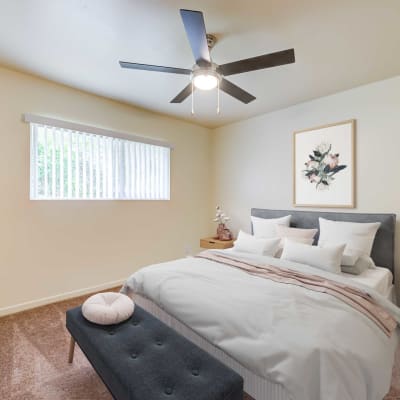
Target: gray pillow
[[361, 265]]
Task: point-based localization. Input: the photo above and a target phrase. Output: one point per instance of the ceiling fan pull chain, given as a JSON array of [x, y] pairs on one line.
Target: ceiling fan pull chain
[[218, 109], [192, 98]]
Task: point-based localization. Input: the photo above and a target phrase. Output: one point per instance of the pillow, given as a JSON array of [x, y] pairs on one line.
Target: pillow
[[266, 227], [249, 244], [357, 267], [354, 262], [359, 237], [295, 233], [348, 260], [327, 258], [108, 308], [278, 254]]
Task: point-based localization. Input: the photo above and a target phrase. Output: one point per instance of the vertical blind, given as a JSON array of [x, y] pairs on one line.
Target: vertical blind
[[67, 165]]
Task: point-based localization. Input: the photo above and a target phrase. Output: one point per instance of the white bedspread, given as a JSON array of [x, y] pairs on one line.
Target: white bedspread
[[316, 346], [377, 278]]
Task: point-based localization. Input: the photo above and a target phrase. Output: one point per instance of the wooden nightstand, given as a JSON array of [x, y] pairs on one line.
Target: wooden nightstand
[[213, 243]]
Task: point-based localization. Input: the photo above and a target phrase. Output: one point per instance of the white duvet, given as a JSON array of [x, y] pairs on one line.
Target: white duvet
[[316, 346]]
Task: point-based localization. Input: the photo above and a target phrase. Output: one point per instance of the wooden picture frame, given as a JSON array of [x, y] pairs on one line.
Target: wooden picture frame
[[324, 166]]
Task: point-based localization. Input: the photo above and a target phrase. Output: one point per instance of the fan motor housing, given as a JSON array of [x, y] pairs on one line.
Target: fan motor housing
[[211, 40], [210, 70]]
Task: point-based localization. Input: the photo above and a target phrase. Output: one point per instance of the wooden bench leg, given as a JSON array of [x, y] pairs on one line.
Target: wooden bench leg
[[71, 350]]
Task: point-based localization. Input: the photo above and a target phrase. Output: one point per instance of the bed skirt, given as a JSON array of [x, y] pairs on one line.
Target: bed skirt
[[257, 387]]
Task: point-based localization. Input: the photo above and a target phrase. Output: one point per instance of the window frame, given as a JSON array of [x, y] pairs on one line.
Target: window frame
[[151, 150]]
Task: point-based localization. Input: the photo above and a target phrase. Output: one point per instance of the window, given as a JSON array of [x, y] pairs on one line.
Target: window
[[68, 164]]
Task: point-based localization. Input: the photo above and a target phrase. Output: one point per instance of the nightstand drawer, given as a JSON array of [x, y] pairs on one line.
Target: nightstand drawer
[[212, 243]]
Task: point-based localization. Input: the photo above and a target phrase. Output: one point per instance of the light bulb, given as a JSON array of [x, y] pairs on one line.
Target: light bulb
[[205, 81]]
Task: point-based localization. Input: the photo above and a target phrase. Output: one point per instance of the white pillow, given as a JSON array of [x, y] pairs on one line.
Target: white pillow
[[359, 237], [249, 244], [354, 262], [266, 227], [327, 258], [278, 254], [108, 308]]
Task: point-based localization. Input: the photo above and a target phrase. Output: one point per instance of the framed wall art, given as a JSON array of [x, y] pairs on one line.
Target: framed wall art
[[324, 166]]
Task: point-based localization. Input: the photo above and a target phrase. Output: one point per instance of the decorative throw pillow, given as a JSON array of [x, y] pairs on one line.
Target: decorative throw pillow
[[266, 227], [354, 262], [278, 254], [359, 237], [349, 259], [108, 308], [249, 244], [295, 233], [327, 258], [356, 265]]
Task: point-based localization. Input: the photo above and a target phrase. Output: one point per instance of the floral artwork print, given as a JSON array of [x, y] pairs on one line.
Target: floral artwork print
[[322, 166]]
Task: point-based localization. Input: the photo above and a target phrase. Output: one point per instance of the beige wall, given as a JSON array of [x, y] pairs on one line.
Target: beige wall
[[54, 248], [253, 158]]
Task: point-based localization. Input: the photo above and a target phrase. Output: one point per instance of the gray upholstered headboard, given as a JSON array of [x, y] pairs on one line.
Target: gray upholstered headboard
[[383, 248]]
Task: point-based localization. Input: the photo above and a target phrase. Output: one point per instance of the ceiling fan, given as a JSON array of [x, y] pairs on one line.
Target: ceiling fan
[[205, 74]]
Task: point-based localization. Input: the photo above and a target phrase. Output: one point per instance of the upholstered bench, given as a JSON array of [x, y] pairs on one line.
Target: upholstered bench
[[144, 359]]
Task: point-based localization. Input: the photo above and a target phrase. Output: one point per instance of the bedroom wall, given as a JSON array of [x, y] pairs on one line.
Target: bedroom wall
[[55, 249], [253, 159]]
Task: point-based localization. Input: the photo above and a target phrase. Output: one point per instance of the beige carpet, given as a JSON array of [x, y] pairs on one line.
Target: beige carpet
[[33, 359]]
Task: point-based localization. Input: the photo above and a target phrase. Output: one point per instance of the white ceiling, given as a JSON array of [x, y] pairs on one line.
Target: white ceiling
[[339, 44]]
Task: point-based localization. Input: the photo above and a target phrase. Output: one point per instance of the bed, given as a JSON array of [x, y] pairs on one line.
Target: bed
[[271, 386]]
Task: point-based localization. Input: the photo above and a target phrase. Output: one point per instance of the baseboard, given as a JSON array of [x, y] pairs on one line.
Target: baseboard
[[59, 297]]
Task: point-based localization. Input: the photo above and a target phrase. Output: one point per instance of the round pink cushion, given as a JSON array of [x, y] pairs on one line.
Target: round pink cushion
[[108, 308]]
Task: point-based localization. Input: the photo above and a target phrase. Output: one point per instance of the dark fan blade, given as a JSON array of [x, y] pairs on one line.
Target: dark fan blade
[[184, 94], [196, 33], [260, 62], [236, 91], [157, 68]]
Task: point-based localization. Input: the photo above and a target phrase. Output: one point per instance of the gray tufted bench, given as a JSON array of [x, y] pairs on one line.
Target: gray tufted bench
[[144, 359]]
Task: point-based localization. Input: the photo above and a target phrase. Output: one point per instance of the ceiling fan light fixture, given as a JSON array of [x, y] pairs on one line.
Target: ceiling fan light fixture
[[205, 79], [207, 75]]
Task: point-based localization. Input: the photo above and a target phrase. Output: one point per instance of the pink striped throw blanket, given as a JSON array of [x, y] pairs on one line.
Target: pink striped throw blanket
[[352, 296]]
